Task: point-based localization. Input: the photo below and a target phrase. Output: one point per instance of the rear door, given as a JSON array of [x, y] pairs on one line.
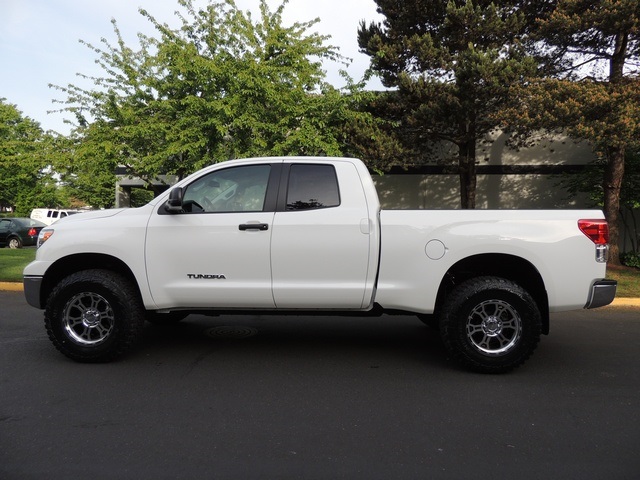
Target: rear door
[[320, 242]]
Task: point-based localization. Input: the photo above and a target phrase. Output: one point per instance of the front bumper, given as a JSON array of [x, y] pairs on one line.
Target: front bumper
[[602, 293], [32, 286]]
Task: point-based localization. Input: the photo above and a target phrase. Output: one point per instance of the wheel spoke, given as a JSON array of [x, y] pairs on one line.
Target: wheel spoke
[[502, 340], [485, 343], [473, 329]]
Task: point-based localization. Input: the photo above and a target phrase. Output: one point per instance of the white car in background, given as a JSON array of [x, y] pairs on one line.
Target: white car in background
[[50, 215]]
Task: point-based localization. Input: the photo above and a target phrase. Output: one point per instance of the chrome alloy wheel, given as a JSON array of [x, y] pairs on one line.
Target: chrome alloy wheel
[[88, 318], [494, 327]]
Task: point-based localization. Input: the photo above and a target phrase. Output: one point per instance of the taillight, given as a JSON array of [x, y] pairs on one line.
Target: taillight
[[596, 230], [32, 232]]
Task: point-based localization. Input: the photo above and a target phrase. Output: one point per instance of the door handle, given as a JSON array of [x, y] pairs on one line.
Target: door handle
[[254, 226]]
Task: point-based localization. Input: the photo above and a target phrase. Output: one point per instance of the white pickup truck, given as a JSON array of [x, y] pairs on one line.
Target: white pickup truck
[[306, 235]]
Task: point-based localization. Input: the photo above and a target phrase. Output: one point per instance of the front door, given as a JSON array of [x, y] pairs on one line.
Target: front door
[[215, 253]]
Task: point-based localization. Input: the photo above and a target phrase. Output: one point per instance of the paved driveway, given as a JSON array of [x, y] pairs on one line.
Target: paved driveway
[[305, 397]]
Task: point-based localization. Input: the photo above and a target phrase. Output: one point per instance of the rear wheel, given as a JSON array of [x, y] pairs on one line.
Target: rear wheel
[[15, 242], [94, 316], [490, 324]]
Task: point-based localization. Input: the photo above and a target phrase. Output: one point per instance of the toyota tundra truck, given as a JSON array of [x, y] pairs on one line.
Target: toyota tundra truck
[[305, 235]]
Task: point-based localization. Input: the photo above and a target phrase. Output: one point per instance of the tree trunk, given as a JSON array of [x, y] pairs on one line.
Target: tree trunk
[[614, 170], [613, 175], [467, 166]]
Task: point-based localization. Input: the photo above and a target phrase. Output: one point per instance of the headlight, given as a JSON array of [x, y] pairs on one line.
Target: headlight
[[44, 235]]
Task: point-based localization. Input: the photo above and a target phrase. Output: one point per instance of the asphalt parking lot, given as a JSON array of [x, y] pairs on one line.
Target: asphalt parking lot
[[317, 397]]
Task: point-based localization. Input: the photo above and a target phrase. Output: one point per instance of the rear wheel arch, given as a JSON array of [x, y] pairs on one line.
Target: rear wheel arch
[[508, 267], [14, 242]]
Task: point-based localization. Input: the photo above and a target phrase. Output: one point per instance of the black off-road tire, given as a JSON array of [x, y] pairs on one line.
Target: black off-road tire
[[94, 316], [490, 325]]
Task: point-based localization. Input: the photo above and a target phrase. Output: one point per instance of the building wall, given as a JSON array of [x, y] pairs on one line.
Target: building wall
[[630, 231], [494, 191], [507, 178]]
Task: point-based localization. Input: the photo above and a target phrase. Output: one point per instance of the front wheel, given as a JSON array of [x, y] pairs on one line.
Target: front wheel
[[490, 325], [94, 316]]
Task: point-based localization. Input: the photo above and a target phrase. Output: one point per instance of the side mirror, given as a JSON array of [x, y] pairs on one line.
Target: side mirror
[[174, 203]]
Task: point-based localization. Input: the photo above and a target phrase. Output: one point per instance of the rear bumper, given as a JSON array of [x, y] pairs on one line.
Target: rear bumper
[[32, 285], [602, 293]]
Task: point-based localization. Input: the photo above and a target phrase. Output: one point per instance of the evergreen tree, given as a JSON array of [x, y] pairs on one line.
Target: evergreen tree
[[452, 64], [589, 52]]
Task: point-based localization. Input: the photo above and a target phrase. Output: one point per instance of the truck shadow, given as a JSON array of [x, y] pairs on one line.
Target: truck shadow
[[278, 338]]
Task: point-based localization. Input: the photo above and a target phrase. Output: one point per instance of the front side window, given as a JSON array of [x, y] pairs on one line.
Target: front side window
[[312, 187], [237, 189]]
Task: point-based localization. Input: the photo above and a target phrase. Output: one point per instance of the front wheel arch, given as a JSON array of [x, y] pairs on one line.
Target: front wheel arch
[[65, 266]]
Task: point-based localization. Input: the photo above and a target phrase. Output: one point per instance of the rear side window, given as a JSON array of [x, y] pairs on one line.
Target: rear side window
[[312, 187]]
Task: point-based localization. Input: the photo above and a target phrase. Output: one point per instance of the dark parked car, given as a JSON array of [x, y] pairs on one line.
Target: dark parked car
[[19, 232]]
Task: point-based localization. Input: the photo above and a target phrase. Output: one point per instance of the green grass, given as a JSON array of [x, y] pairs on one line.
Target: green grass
[[13, 261], [628, 281]]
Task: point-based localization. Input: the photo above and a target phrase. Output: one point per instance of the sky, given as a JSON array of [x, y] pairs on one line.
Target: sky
[[39, 42]]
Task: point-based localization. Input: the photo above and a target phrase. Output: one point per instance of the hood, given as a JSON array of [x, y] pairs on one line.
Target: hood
[[79, 217]]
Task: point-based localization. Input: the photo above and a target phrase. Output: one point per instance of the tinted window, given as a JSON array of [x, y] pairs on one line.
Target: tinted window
[[28, 222], [238, 189], [312, 186]]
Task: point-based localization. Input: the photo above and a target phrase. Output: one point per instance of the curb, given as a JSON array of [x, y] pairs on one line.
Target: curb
[[618, 302], [11, 287]]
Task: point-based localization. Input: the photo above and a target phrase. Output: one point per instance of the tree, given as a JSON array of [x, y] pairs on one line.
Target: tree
[[452, 63], [589, 52], [590, 181], [220, 86], [25, 180], [86, 164]]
